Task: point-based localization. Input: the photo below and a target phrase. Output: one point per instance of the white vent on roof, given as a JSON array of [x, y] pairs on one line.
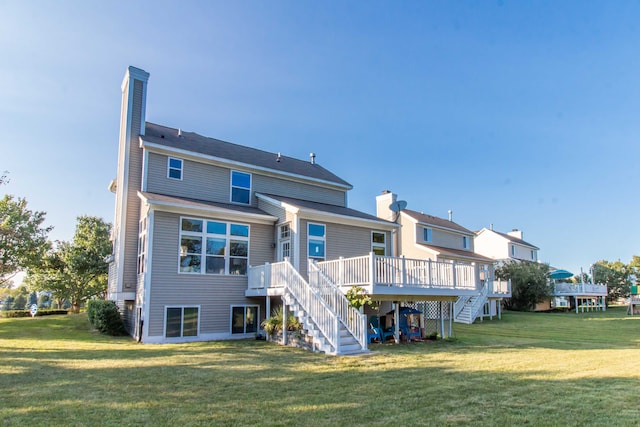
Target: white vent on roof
[[179, 133], [313, 158]]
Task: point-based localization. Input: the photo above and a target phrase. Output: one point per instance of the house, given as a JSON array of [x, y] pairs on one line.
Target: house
[[193, 215], [430, 237], [505, 246], [209, 236]]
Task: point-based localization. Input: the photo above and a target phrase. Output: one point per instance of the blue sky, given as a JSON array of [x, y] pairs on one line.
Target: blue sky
[[512, 113]]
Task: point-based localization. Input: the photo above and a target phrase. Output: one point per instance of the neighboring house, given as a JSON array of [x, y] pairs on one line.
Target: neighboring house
[[505, 246], [429, 237], [194, 214]]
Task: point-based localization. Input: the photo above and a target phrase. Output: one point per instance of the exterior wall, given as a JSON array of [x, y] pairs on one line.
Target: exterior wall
[[522, 252], [491, 245], [209, 182], [213, 294], [340, 241]]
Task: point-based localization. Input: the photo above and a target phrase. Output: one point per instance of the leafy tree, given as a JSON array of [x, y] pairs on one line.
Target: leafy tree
[[8, 303], [20, 302], [615, 275], [76, 271], [43, 300], [33, 298], [529, 283], [23, 239]]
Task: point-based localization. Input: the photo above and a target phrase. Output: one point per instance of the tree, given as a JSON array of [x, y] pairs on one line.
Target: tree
[[23, 239], [529, 283], [8, 303], [76, 271], [615, 275]]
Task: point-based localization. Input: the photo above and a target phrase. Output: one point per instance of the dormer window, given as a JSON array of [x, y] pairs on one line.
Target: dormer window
[[174, 168], [240, 187], [427, 234]]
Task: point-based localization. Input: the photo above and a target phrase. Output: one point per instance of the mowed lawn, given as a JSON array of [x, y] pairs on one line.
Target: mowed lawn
[[537, 369]]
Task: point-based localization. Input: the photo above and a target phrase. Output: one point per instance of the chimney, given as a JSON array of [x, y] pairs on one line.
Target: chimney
[[382, 205], [515, 233], [491, 226], [450, 215], [313, 158]]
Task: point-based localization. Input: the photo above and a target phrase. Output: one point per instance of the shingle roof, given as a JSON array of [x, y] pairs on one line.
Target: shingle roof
[[515, 239], [323, 207], [458, 253], [434, 220], [190, 141]]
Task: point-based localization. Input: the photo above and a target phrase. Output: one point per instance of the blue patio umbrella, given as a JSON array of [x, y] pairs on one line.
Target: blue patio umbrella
[[560, 274]]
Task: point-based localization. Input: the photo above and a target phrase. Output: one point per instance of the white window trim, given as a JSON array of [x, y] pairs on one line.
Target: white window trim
[[169, 168], [378, 245], [231, 187], [429, 234], [323, 239], [181, 337], [245, 318], [203, 250]]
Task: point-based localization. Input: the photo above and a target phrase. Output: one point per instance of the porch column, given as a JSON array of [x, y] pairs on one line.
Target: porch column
[[284, 321], [267, 307]]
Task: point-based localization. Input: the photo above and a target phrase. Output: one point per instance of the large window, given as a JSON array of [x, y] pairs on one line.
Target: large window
[[378, 245], [174, 168], [240, 187], [213, 247], [427, 234], [316, 238], [244, 319], [181, 322]]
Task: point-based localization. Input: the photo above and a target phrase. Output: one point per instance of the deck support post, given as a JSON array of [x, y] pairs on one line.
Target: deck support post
[[441, 320], [450, 318], [267, 307], [576, 300], [396, 321], [284, 321]]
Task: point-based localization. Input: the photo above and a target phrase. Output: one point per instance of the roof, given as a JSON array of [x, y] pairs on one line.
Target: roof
[[195, 143], [434, 220], [515, 239], [326, 208], [457, 253], [194, 204]]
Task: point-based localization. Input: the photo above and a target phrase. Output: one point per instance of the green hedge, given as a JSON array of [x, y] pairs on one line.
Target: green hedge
[[27, 313], [105, 317]]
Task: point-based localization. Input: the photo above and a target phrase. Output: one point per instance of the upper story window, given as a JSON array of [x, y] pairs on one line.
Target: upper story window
[[174, 168], [316, 237], [427, 234], [378, 244], [513, 250], [465, 242], [142, 245], [533, 255], [240, 187], [213, 247]]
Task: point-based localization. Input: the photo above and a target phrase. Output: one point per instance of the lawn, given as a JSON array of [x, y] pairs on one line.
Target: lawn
[[538, 369]]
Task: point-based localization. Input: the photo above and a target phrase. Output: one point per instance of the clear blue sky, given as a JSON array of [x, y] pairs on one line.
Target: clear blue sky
[[521, 114]]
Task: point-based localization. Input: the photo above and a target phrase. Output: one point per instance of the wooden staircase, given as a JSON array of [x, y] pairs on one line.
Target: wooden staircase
[[468, 308]]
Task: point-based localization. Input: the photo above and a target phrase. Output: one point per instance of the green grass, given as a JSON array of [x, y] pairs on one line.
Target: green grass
[[538, 369]]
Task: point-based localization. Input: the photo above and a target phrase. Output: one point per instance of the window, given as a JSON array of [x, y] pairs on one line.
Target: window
[[533, 255], [465, 242], [316, 239], [378, 245], [142, 245], [213, 247], [174, 168], [181, 322], [513, 250], [240, 187], [284, 242], [244, 319], [427, 234]]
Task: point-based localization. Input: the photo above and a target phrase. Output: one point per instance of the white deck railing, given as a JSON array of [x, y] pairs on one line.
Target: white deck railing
[[353, 320], [580, 289], [283, 274], [500, 287], [405, 272]]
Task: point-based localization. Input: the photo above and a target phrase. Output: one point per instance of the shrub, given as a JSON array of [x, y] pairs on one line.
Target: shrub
[[105, 317], [27, 313]]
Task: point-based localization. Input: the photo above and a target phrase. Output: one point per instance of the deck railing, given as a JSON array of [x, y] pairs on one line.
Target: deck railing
[[580, 289], [393, 271], [283, 274], [500, 287], [353, 320]]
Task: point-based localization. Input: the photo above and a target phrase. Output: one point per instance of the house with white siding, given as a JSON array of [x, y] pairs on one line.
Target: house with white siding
[[209, 236], [505, 246]]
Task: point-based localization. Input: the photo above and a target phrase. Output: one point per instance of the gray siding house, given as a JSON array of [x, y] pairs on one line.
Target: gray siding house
[[198, 219]]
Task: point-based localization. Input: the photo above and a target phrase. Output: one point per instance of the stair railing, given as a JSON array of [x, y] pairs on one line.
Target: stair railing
[[353, 320], [479, 302], [325, 319]]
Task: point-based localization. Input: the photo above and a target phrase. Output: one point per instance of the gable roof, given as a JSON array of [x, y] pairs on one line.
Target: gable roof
[[324, 208], [514, 239], [435, 221], [251, 157]]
